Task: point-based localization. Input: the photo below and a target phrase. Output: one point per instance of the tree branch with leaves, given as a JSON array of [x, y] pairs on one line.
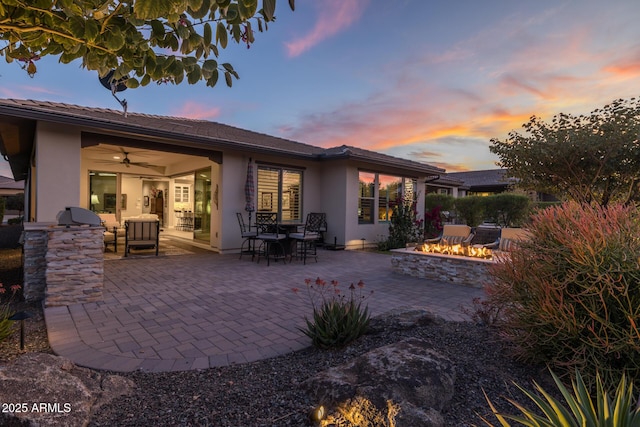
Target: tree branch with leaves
[[588, 158], [141, 41]]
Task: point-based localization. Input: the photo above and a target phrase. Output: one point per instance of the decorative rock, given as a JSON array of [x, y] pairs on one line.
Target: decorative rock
[[52, 391], [408, 374]]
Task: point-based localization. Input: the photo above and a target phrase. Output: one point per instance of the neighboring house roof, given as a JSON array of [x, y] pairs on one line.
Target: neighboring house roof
[[188, 133], [484, 180], [8, 186]]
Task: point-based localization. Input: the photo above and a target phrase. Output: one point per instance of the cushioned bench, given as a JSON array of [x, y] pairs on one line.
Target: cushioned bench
[[142, 234]]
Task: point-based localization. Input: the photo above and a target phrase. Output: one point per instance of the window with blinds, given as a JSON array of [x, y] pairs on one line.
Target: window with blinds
[[280, 191], [367, 182]]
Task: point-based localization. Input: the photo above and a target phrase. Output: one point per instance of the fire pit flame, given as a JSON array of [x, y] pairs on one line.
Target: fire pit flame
[[468, 251]]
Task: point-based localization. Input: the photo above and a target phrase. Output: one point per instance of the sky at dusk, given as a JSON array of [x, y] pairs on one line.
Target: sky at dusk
[[432, 81]]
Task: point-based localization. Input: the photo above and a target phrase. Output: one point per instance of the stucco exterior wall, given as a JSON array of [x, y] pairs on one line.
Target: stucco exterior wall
[[57, 149], [232, 199]]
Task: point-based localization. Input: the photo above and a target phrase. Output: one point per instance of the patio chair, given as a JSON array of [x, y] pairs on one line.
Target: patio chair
[[509, 238], [142, 234], [273, 242], [248, 245], [453, 235], [111, 226], [306, 240]]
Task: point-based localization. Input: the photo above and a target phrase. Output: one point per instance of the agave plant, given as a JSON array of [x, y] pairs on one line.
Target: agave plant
[[581, 409], [337, 319]]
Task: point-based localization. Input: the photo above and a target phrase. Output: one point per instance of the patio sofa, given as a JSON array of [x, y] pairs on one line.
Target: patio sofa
[[141, 233], [509, 238], [453, 235]]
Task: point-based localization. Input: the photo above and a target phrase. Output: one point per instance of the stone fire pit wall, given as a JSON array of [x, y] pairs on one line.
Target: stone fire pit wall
[[456, 269], [63, 265]]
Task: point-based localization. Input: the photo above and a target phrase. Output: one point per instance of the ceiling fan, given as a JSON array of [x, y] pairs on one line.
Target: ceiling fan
[[128, 163]]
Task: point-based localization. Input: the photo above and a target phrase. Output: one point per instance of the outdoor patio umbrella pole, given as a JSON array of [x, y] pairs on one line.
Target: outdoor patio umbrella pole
[[249, 191]]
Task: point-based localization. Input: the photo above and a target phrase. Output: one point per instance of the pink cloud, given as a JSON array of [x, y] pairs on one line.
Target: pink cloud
[[198, 111], [334, 17]]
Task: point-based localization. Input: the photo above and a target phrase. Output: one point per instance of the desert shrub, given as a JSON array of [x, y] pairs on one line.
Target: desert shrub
[[506, 209], [617, 410], [570, 296], [470, 209], [337, 319]]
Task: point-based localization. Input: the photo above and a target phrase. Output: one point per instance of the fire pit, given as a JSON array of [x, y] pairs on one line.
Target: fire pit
[[459, 250], [464, 265]]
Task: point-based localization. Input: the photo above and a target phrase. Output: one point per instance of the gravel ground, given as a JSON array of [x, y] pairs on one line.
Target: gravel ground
[[266, 393]]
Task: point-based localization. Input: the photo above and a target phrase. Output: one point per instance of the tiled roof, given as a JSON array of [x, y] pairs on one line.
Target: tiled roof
[[483, 178], [10, 183], [379, 158], [203, 133]]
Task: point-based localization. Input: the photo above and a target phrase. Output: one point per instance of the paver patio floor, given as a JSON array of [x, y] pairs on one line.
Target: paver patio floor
[[206, 310]]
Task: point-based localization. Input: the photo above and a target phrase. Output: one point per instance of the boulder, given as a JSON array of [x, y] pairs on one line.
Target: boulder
[[47, 390], [407, 377]]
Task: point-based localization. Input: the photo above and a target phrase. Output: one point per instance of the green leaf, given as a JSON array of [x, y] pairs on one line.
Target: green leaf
[[157, 28], [247, 8], [213, 80], [194, 76], [292, 4], [207, 33], [268, 10], [152, 9], [221, 35], [132, 83], [91, 29], [210, 65], [146, 79], [76, 26], [115, 39], [227, 78]]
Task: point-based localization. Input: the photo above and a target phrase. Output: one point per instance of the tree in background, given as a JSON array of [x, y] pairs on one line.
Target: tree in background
[[590, 159], [470, 210], [507, 209], [140, 40]]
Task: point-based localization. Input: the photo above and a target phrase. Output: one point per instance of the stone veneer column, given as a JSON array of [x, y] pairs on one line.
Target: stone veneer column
[[75, 265], [35, 266]]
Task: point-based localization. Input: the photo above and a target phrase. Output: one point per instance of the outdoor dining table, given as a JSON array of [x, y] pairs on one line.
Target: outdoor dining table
[[290, 227]]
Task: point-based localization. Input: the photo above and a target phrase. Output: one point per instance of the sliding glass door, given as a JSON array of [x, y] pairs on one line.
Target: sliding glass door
[[202, 205]]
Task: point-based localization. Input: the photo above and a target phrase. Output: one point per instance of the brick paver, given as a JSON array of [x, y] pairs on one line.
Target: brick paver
[[205, 310]]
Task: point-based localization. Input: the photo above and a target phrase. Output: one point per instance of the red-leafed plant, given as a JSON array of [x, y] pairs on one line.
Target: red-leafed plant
[[570, 296]]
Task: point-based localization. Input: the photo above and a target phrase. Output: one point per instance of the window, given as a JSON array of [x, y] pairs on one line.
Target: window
[[390, 193], [388, 190], [280, 191], [367, 183], [181, 193]]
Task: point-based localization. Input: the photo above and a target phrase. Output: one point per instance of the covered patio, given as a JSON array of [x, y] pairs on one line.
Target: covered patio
[[206, 309]]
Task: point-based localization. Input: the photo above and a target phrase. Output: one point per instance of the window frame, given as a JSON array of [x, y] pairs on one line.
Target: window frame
[[281, 171], [404, 184]]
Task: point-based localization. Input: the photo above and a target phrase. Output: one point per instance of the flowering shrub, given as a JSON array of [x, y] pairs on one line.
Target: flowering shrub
[[337, 319], [433, 222], [405, 227], [6, 311], [570, 296]]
